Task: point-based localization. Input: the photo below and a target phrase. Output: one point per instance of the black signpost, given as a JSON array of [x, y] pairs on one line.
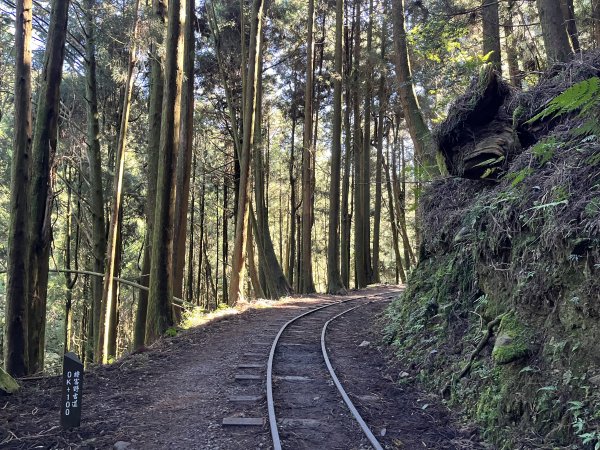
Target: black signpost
[[72, 390]]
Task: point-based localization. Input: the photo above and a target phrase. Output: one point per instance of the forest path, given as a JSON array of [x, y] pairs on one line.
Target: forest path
[[176, 394]]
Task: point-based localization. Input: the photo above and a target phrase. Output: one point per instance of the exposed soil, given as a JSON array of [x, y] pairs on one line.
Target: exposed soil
[[176, 394], [398, 414]]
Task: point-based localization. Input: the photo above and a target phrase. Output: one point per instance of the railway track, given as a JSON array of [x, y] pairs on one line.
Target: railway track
[[307, 404]]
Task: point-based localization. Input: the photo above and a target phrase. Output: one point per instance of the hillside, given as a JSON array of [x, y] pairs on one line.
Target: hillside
[[501, 315]]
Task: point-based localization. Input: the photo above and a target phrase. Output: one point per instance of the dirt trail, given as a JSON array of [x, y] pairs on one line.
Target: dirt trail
[[176, 394]]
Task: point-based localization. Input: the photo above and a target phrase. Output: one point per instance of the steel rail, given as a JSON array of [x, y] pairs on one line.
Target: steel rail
[[270, 404], [370, 436]]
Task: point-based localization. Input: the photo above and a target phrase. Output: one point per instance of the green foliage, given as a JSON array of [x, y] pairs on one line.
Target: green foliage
[[518, 177], [544, 150], [582, 97], [171, 332]]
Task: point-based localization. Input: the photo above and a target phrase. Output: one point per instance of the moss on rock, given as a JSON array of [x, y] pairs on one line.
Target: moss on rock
[[513, 341]]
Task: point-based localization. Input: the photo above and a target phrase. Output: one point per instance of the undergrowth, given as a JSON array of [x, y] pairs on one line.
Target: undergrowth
[[522, 256]]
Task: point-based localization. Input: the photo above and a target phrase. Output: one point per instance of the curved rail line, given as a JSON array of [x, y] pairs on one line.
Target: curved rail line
[[270, 403], [370, 436]]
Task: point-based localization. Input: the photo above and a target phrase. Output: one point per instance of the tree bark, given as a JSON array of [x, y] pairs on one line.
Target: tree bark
[[254, 54], [225, 243], [16, 352], [568, 10], [360, 257], [43, 152], [160, 296], [425, 153], [491, 33], [378, 179], [346, 219], [399, 190], [184, 161], [190, 259], [556, 39], [596, 22], [70, 279], [250, 259], [154, 125], [334, 281], [108, 311], [95, 172], [291, 261], [305, 276], [512, 57], [277, 285], [393, 223]]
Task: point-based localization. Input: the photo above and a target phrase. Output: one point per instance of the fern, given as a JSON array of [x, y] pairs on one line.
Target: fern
[[590, 127], [544, 150], [582, 96]]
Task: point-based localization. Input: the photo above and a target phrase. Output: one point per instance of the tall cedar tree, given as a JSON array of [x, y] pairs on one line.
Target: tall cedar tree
[[160, 298], [556, 39], [43, 151], [305, 276], [249, 114], [491, 33], [382, 96], [425, 152], [159, 19], [276, 283], [106, 339], [16, 355], [96, 192], [184, 161], [334, 281], [346, 219]]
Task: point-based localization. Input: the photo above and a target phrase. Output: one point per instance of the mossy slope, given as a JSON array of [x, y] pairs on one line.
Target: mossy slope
[[523, 256]]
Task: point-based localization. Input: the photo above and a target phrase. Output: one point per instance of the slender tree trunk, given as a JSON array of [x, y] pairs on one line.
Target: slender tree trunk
[[512, 57], [237, 272], [201, 232], [334, 282], [346, 217], [70, 279], [393, 223], [596, 22], [491, 33], [556, 39], [250, 259], [425, 152], [154, 124], [225, 243], [95, 172], [190, 258], [112, 318], [400, 202], [108, 294], [365, 185], [305, 276], [15, 342], [184, 161], [43, 151], [208, 272], [275, 281], [291, 262], [160, 297], [360, 256], [570, 24], [378, 179]]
